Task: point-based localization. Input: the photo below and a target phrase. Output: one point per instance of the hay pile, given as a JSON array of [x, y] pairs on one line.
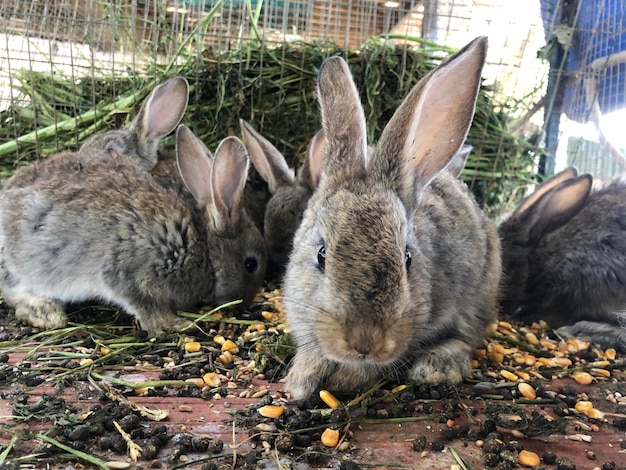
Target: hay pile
[[274, 90]]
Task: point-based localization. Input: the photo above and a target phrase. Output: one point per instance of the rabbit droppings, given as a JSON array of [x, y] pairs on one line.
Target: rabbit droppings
[[395, 269], [107, 231], [564, 259]]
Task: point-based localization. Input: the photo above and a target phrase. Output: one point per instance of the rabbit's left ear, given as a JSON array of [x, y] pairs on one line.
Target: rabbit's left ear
[[429, 127]]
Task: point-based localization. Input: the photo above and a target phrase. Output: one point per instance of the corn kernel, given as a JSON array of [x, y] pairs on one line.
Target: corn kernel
[[601, 372], [522, 375], [532, 338], [230, 346], [583, 405], [505, 324], [211, 379], [85, 361], [475, 364], [329, 399], [509, 375], [518, 359], [496, 357], [527, 390], [192, 346], [528, 459], [610, 354], [530, 360], [480, 353], [219, 339], [594, 413], [583, 378], [268, 316], [548, 344], [397, 389], [562, 362], [198, 382], [104, 350], [330, 437], [271, 411], [226, 358]]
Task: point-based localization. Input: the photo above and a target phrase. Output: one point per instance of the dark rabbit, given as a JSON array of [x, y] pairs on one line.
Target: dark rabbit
[[564, 259], [290, 194], [139, 140], [394, 270], [107, 231]]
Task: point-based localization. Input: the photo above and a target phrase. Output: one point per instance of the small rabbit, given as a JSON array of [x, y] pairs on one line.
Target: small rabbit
[[564, 259], [290, 194], [394, 270], [108, 231], [158, 116]]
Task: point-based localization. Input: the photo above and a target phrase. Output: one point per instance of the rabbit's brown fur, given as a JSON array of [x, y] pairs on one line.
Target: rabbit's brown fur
[[395, 269]]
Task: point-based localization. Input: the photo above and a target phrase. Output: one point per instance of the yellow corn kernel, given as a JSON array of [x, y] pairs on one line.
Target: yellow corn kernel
[[104, 350], [271, 411], [548, 344], [259, 347], [211, 379], [600, 372], [492, 327], [480, 353], [583, 405], [532, 338], [600, 364], [397, 389], [85, 361], [192, 346], [594, 413], [509, 375], [610, 354], [522, 375], [219, 339], [518, 359], [505, 325], [330, 437], [496, 357], [268, 316], [198, 382], [530, 360], [230, 346], [562, 362], [329, 399], [527, 458], [527, 390], [583, 378], [226, 358]]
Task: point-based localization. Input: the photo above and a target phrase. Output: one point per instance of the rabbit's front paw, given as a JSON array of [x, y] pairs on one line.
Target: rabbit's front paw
[[40, 313], [304, 377], [159, 323], [448, 363]]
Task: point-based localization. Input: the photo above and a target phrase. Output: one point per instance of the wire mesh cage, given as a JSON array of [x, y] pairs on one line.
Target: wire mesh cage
[[69, 68]]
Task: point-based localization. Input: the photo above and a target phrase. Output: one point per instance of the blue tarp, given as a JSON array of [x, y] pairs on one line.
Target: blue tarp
[[599, 31]]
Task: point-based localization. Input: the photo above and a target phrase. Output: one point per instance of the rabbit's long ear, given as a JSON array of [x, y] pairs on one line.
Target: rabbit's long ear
[[267, 160], [195, 164], [343, 120], [456, 165], [159, 115], [554, 208], [228, 179], [431, 124], [565, 175], [311, 169]]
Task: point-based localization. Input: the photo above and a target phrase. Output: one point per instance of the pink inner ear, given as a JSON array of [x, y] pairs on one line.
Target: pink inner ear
[[230, 170], [166, 108]]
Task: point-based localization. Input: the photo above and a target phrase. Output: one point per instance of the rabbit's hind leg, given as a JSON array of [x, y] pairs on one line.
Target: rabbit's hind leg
[[37, 311]]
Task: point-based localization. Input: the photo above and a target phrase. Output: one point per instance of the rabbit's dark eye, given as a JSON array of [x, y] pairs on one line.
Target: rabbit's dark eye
[[251, 264], [321, 258], [407, 259]]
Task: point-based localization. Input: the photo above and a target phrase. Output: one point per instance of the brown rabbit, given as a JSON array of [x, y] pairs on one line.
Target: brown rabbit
[[564, 259], [394, 270]]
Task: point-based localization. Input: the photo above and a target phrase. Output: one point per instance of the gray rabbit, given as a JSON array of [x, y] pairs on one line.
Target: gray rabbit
[[290, 194], [106, 231], [394, 270], [564, 259], [139, 140]]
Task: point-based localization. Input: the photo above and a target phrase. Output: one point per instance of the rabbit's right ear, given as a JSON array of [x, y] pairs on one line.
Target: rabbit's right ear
[[565, 175], [267, 160], [195, 164], [343, 120], [555, 208], [159, 115], [429, 127], [456, 165], [228, 179], [311, 170]]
